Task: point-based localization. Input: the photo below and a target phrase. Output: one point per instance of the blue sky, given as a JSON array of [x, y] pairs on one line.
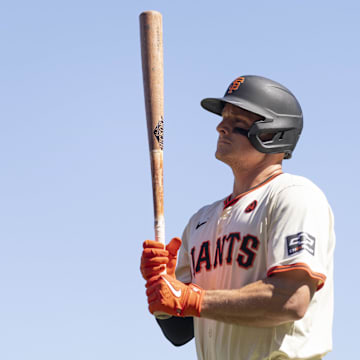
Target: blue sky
[[75, 186]]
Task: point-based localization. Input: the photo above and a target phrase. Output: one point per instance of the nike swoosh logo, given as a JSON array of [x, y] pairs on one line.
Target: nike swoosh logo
[[176, 293], [200, 224]]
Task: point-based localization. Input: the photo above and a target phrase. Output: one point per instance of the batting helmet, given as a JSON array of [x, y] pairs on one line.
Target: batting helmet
[[281, 112]]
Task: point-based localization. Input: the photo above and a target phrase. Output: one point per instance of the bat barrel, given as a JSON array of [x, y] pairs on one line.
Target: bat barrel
[[153, 74]]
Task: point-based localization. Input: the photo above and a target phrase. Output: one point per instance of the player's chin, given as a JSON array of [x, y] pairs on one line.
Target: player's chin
[[221, 149], [218, 154], [221, 155]]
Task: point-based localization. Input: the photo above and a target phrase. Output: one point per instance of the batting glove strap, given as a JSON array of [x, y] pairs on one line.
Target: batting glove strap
[[194, 296], [170, 296]]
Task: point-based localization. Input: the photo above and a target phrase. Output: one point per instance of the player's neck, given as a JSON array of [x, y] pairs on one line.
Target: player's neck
[[245, 180]]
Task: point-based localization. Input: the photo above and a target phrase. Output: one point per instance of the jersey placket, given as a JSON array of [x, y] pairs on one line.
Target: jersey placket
[[223, 220]]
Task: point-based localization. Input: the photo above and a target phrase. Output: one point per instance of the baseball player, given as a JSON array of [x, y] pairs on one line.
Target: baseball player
[[254, 271]]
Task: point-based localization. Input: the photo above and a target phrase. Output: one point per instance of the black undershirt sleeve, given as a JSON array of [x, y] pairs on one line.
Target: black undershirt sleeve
[[177, 330]]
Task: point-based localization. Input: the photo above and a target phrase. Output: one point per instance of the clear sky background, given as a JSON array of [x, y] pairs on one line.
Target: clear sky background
[[75, 189]]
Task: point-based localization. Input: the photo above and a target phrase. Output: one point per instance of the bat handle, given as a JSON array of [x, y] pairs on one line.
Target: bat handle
[[159, 226]]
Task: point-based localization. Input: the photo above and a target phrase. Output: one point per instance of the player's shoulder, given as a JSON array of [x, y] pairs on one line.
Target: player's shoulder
[[208, 210], [292, 185], [286, 180], [200, 217]]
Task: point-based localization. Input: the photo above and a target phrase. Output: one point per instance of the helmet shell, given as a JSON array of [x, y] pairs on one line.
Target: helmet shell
[[277, 105]]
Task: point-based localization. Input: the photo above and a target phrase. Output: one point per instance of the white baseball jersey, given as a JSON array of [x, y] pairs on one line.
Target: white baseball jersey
[[283, 224]]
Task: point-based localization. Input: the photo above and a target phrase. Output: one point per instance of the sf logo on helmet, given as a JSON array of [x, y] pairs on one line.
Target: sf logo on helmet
[[235, 84]]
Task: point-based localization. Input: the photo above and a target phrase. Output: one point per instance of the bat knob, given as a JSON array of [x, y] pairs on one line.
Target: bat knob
[[162, 316]]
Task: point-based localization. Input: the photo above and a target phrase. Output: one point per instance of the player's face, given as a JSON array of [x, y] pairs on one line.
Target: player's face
[[233, 147]]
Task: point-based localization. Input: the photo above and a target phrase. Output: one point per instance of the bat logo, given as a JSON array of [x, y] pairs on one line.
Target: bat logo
[[159, 133]]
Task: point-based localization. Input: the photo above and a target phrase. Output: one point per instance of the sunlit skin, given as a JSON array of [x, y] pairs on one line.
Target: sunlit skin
[[250, 167]]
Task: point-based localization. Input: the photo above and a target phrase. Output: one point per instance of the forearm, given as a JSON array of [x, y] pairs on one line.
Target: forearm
[[264, 303]]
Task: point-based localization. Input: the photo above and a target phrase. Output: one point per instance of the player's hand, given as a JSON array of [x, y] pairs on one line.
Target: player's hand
[[156, 259], [168, 295], [172, 247]]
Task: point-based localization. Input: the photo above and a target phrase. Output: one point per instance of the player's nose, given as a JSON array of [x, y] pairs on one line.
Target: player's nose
[[223, 128]]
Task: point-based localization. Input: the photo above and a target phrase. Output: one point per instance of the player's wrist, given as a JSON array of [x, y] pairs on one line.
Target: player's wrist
[[195, 295], [168, 295]]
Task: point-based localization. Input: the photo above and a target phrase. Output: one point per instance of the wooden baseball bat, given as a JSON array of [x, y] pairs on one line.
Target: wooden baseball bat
[[153, 80]]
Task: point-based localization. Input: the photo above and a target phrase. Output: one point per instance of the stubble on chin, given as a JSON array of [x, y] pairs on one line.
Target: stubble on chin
[[222, 156]]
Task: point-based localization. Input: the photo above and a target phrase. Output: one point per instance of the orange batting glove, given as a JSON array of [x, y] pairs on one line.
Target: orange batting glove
[[156, 259], [168, 295]]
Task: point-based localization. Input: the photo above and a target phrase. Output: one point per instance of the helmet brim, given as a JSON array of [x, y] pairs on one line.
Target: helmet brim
[[216, 105]]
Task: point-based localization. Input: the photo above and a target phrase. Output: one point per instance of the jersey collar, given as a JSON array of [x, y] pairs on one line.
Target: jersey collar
[[230, 202]]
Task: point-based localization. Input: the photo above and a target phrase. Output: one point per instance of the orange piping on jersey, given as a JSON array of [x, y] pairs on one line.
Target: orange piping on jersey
[[299, 266], [229, 202]]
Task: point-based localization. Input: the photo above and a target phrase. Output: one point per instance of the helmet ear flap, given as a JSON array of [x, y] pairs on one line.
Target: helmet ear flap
[[278, 136], [281, 141]]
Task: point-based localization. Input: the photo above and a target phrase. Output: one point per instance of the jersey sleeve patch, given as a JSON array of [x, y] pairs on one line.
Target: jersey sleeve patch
[[299, 242], [299, 266]]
